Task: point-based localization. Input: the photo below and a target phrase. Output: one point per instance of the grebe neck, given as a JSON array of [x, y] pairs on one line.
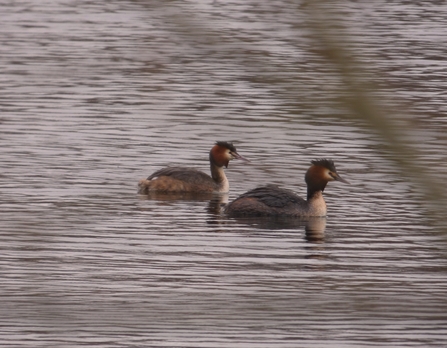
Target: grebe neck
[[316, 203], [219, 177], [314, 187], [315, 200]]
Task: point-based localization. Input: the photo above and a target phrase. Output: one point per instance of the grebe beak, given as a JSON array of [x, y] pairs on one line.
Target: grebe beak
[[339, 178], [239, 157]]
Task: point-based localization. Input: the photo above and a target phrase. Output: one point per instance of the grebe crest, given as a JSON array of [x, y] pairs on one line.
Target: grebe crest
[[223, 152]]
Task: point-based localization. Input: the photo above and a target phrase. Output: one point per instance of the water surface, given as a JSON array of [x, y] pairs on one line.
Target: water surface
[[95, 96]]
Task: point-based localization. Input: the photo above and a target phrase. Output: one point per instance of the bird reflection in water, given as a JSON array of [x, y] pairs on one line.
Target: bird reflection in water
[[216, 201], [314, 227]]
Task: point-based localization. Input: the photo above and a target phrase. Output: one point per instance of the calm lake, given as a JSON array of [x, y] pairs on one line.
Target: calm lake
[[95, 95]]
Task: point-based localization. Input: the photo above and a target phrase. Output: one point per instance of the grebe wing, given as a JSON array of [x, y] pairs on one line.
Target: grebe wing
[[189, 175], [273, 196]]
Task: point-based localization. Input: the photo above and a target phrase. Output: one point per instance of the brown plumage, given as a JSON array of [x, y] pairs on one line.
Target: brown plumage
[[183, 179], [272, 200]]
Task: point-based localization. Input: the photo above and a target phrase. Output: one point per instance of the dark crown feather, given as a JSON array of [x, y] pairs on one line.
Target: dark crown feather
[[326, 163], [227, 145]]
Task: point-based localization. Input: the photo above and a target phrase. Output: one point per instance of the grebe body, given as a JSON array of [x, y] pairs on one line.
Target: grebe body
[[181, 179], [272, 200]]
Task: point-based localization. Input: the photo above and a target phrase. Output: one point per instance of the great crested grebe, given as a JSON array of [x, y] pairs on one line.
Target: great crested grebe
[[181, 179], [271, 200]]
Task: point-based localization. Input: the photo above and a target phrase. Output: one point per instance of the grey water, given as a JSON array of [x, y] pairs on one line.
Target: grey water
[[97, 95]]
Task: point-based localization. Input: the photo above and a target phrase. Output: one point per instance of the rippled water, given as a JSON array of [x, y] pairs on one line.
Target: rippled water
[[96, 95]]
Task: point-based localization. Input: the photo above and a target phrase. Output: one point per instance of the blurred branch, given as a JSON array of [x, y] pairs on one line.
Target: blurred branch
[[364, 107]]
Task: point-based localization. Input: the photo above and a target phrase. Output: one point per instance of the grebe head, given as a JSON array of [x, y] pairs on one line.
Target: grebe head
[[320, 173], [223, 152]]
